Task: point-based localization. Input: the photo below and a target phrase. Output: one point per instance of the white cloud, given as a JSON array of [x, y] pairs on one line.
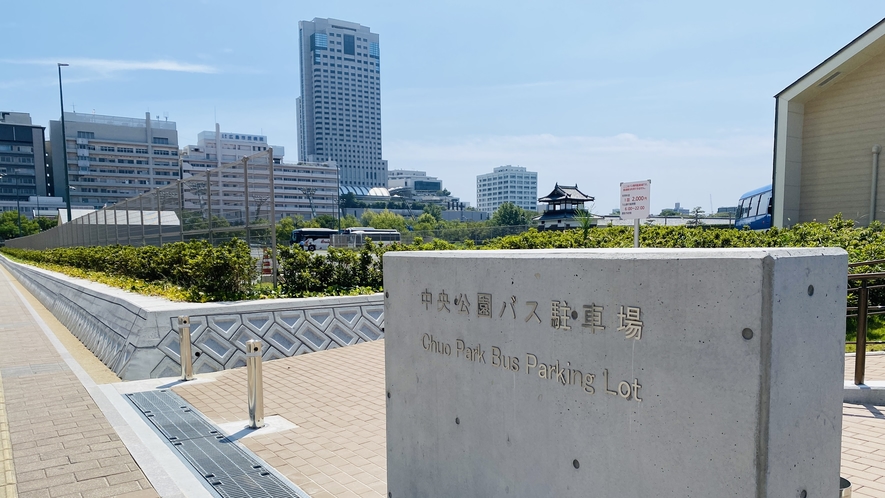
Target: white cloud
[[685, 171], [107, 66]]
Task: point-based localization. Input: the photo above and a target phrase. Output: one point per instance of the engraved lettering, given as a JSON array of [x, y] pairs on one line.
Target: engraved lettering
[[588, 383], [426, 299], [533, 313], [512, 304], [636, 388], [442, 302], [531, 361], [607, 390], [629, 323], [593, 317], [484, 305], [463, 304]]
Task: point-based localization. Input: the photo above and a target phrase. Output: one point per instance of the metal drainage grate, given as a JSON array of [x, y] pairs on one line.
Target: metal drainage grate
[[228, 468]]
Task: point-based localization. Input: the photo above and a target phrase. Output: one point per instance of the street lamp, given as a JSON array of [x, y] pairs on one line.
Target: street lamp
[[64, 143]]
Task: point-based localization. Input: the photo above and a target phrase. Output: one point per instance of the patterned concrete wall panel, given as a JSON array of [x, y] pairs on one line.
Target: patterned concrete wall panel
[[205, 364], [166, 368], [313, 339], [283, 340], [292, 320], [241, 337], [171, 345], [271, 353], [226, 325], [339, 333], [258, 322], [348, 315], [319, 317], [237, 360], [198, 325], [137, 336], [368, 330], [375, 314], [216, 346], [122, 358], [303, 349]]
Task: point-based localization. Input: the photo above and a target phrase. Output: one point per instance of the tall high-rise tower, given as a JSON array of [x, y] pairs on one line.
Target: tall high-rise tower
[[339, 110]]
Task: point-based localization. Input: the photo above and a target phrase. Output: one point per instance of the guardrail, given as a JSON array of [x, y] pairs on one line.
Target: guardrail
[[865, 282]]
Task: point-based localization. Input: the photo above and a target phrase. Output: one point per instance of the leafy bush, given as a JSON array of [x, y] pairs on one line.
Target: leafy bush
[[201, 271]]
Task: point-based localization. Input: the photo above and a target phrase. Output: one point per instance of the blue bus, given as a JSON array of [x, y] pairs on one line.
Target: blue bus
[[754, 209]]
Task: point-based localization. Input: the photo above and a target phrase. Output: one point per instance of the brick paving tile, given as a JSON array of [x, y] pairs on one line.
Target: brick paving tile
[[55, 431], [339, 446], [333, 413], [874, 368]]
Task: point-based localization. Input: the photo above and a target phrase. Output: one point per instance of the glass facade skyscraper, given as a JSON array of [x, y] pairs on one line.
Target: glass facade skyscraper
[[339, 109]]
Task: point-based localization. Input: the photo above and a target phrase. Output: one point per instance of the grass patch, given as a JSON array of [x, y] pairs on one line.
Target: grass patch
[[875, 332]]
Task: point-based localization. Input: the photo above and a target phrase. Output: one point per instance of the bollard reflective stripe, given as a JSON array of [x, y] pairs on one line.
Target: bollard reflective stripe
[[184, 343], [255, 389]]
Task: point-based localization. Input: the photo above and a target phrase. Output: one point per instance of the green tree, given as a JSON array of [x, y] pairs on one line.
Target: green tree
[[696, 213], [326, 221], [586, 221], [385, 219], [285, 227], [509, 214], [349, 200], [9, 225], [47, 223], [669, 212], [433, 210]]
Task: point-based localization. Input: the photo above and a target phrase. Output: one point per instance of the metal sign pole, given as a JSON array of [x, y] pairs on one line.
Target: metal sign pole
[[636, 232]]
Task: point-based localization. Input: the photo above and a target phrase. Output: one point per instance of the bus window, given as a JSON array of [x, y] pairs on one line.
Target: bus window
[[754, 209]]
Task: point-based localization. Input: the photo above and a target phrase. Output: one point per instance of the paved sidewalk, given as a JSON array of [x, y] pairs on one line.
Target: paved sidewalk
[[54, 440]]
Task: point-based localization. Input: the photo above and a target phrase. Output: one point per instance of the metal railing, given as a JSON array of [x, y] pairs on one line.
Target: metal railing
[[865, 282]]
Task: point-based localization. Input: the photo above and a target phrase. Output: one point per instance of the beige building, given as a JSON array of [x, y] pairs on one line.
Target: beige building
[[829, 131]]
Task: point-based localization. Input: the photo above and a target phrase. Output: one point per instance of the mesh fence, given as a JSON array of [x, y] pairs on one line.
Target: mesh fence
[[217, 205]]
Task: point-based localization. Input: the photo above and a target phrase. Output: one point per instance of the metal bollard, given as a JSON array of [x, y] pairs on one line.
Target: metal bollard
[[184, 343], [256, 391]]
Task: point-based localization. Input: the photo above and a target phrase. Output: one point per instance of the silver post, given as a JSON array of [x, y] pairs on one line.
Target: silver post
[[636, 232], [256, 391], [184, 342]]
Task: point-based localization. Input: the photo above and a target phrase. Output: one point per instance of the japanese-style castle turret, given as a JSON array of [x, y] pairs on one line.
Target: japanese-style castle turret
[[563, 204]]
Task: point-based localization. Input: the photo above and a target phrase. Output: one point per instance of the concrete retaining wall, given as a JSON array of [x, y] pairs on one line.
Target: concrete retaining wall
[[137, 336]]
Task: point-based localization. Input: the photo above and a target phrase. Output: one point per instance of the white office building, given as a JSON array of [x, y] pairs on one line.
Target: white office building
[[339, 107], [306, 188], [507, 184], [112, 158]]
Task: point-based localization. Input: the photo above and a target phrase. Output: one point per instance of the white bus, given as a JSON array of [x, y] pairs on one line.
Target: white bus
[[311, 239], [356, 236]]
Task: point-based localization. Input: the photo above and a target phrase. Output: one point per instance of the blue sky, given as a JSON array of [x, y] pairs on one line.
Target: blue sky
[[586, 92]]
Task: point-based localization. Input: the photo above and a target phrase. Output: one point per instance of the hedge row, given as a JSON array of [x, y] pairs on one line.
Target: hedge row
[[206, 273], [228, 272]]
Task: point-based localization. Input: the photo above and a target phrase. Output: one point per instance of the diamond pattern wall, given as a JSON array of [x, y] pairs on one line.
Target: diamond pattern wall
[[138, 343]]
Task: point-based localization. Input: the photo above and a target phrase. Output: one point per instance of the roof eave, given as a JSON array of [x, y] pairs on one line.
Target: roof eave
[[846, 59]]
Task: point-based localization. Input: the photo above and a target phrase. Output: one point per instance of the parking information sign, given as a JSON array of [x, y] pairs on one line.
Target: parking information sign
[[635, 204]]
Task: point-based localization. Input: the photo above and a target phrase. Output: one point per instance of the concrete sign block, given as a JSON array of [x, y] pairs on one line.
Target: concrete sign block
[[630, 373]]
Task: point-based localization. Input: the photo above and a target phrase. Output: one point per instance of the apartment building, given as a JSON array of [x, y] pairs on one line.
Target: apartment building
[[507, 184], [22, 157]]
